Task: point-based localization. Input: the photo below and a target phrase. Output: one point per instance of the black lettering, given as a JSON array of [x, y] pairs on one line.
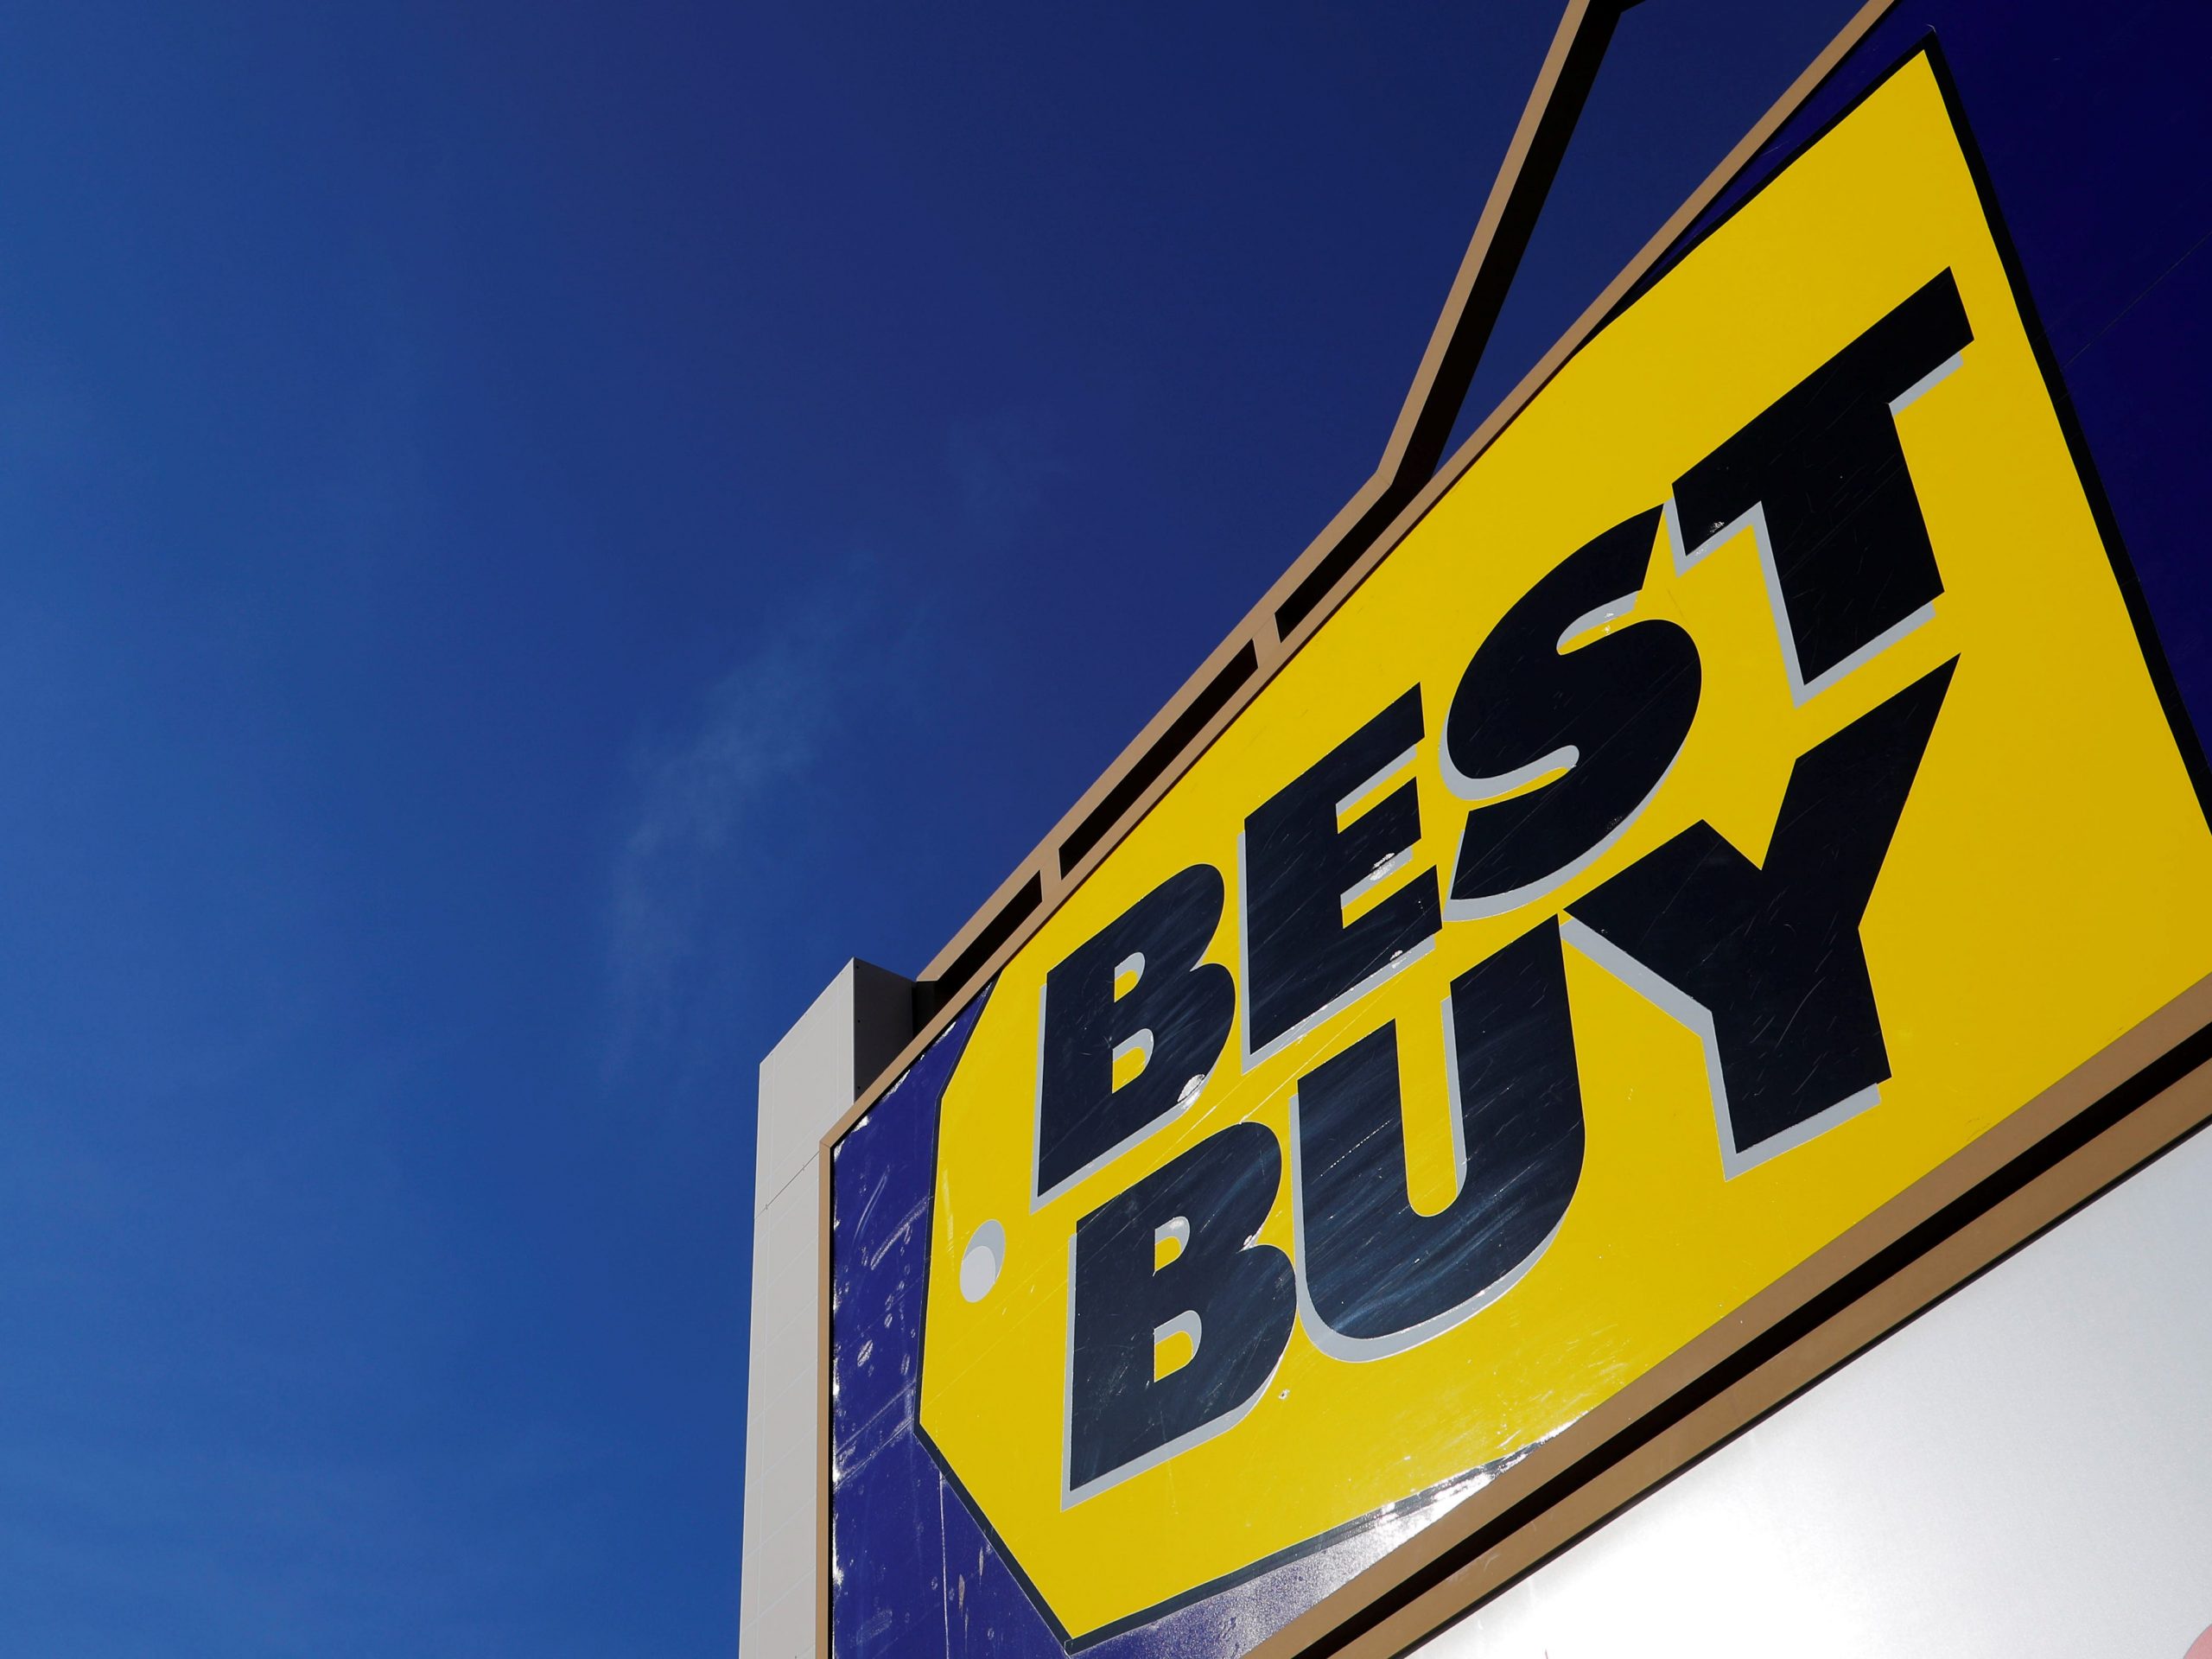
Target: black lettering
[[1378, 1274], [1300, 956], [1849, 548], [1613, 713], [1234, 1299], [1178, 1014], [1769, 954]]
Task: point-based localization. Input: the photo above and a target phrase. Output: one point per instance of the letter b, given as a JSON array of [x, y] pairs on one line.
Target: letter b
[[1234, 1299], [1176, 1013]]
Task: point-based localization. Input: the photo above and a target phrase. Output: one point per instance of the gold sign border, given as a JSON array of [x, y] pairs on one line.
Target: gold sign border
[[2132, 1101]]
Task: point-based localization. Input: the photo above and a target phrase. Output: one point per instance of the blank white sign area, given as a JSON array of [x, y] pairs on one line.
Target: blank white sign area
[[2025, 1472]]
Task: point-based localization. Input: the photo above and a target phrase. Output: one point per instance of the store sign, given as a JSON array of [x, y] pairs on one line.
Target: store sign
[[1742, 789]]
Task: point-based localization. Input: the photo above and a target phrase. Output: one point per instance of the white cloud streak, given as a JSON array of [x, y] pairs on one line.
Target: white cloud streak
[[695, 836]]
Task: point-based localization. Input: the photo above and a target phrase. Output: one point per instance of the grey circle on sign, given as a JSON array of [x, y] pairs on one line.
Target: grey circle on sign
[[980, 1262]]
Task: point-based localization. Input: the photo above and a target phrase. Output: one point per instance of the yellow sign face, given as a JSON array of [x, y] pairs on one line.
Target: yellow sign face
[[1740, 791]]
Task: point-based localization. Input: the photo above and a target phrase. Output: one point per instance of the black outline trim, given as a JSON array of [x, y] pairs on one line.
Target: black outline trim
[[930, 995], [1145, 772], [1341, 1533]]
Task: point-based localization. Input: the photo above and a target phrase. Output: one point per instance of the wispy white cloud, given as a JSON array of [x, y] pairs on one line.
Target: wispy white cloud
[[702, 792], [730, 810], [1004, 468]]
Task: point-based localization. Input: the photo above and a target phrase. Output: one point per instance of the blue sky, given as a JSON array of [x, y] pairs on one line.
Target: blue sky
[[528, 535]]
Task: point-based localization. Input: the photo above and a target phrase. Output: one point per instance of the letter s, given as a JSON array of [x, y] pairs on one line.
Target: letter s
[[1613, 713]]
